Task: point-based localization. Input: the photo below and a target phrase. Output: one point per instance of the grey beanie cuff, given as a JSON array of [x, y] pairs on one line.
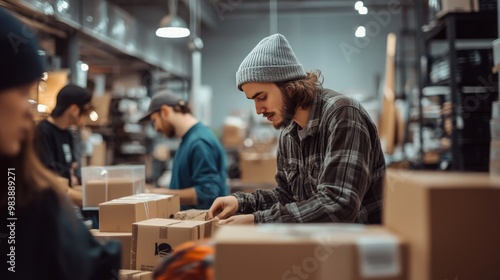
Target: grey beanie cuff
[[269, 74]]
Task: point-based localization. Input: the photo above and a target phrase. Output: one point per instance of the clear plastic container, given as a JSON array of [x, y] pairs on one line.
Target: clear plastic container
[[105, 183]]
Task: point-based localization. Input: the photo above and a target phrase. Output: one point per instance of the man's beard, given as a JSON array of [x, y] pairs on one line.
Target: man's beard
[[287, 112], [168, 129]]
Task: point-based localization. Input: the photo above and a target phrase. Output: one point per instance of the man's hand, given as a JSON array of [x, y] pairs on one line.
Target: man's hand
[[238, 220], [224, 207]]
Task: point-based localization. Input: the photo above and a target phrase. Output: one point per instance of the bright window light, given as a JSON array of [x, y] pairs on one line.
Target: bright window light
[[360, 32]]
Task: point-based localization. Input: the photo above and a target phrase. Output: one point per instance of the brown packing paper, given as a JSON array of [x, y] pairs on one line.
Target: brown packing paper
[[313, 252], [157, 238], [450, 220]]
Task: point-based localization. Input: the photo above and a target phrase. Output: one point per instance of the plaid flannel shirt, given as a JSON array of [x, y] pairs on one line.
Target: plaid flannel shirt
[[334, 174]]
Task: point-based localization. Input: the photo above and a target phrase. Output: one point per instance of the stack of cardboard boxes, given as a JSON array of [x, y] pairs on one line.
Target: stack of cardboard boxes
[[435, 226], [154, 239], [450, 220], [117, 216]]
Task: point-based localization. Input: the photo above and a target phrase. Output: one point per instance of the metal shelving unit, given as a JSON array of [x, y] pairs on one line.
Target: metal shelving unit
[[449, 29]]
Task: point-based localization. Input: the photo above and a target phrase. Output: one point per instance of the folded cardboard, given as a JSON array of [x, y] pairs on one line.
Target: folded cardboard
[[127, 274], [257, 167], [166, 205], [99, 191], [156, 238], [450, 220], [125, 238], [118, 215], [313, 252], [192, 214], [196, 215]]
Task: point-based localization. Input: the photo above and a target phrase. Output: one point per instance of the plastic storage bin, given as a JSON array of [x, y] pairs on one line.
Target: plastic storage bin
[[105, 183]]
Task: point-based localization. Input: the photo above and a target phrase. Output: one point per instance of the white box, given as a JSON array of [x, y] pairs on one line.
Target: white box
[[105, 183]]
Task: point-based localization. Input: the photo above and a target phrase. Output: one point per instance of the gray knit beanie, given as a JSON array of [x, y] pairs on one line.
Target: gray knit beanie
[[272, 60]]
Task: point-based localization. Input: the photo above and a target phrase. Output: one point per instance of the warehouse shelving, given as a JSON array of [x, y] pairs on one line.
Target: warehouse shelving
[[463, 153]]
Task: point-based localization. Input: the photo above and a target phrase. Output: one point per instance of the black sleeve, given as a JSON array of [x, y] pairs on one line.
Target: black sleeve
[[78, 255], [43, 148]]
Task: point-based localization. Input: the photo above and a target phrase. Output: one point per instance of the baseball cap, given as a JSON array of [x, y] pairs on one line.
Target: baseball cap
[[69, 95], [165, 97]]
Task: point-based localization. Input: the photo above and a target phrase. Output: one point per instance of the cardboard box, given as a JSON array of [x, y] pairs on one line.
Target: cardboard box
[[450, 220], [125, 238], [99, 191], [166, 205], [98, 157], [118, 215], [104, 183], [101, 104], [233, 135], [458, 6], [312, 251], [127, 274], [257, 168], [143, 275], [157, 238]]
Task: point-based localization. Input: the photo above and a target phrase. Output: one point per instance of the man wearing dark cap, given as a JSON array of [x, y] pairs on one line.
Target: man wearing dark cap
[[330, 165], [55, 142], [199, 169]]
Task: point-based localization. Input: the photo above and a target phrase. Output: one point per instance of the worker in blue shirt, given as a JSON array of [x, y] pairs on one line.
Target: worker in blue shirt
[[199, 168]]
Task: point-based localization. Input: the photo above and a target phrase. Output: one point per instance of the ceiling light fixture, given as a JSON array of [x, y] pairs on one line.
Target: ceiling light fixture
[[360, 32], [363, 11], [172, 26], [358, 5]]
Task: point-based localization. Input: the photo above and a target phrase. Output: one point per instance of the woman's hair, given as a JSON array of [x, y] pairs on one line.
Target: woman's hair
[[301, 93], [30, 175]]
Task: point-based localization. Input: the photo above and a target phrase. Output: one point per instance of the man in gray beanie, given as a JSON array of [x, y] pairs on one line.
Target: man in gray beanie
[[330, 165]]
